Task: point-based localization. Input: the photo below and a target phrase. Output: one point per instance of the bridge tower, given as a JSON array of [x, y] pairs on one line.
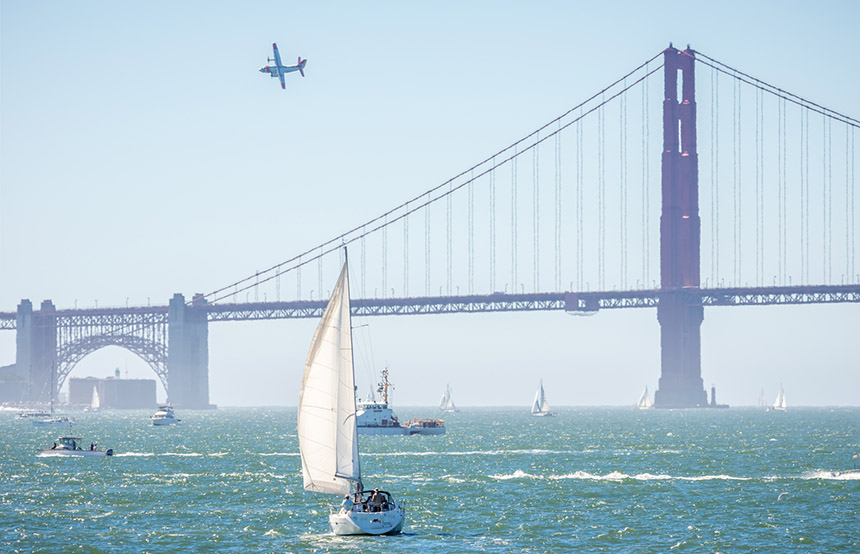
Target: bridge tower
[[680, 384], [36, 350], [188, 352]]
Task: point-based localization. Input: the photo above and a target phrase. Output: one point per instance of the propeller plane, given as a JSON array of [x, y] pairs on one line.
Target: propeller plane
[[279, 70]]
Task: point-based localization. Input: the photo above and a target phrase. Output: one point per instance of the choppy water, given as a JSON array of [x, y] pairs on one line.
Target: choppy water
[[588, 480]]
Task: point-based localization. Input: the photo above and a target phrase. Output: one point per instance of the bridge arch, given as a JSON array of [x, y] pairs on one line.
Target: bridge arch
[[152, 352]]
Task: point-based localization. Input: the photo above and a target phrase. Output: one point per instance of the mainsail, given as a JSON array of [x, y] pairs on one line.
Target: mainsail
[[328, 441], [540, 405], [95, 404], [779, 404], [644, 401], [447, 401]]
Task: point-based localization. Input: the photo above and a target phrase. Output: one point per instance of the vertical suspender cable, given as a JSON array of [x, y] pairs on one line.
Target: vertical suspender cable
[[514, 220], [406, 253], [320, 273], [385, 257], [427, 246], [829, 203], [579, 210], [623, 140], [645, 179], [600, 196], [803, 198], [493, 227], [558, 208], [536, 212], [757, 185], [824, 195], [780, 137], [735, 84], [448, 243], [472, 232]]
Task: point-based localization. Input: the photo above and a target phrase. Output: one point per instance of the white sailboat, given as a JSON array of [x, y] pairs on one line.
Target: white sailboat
[[540, 407], [761, 400], [328, 437], [779, 403], [446, 403], [95, 404], [645, 401]]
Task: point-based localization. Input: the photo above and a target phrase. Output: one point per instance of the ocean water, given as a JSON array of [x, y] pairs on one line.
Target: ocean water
[[588, 480]]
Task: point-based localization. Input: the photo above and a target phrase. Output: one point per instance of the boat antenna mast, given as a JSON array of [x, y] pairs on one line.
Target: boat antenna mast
[[384, 386]]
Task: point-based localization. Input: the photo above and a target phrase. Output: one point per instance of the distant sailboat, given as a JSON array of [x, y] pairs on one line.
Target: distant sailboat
[[761, 399], [95, 404], [328, 436], [779, 403], [645, 401], [446, 404], [540, 407]]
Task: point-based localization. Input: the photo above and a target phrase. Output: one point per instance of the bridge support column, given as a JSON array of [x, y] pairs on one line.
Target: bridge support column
[[188, 353], [680, 383], [36, 350]]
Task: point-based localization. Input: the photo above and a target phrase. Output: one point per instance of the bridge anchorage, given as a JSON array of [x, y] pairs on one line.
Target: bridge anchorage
[[173, 341]]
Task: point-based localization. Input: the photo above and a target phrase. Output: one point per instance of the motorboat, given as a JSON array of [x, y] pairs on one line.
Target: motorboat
[[73, 446], [164, 416], [32, 414], [540, 406], [377, 418], [327, 430], [418, 426], [51, 421]]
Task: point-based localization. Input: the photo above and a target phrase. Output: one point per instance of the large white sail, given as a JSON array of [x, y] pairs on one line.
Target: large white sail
[[540, 405], [645, 401], [447, 401], [96, 403], [779, 404], [328, 441]]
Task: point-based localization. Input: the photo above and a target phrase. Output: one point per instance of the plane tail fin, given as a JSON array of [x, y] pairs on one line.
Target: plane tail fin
[[302, 66]]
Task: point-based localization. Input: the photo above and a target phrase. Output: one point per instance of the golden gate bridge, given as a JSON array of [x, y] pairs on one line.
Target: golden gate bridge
[[565, 218]]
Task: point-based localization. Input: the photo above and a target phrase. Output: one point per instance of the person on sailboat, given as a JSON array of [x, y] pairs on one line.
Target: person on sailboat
[[347, 503], [376, 501]]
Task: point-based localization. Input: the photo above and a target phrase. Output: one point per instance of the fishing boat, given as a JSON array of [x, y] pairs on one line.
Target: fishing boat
[[779, 403], [446, 403], [327, 431], [95, 404], [540, 407], [645, 401], [164, 416], [377, 418], [71, 446]]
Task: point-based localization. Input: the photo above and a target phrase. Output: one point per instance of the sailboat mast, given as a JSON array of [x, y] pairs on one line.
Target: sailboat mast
[[356, 448]]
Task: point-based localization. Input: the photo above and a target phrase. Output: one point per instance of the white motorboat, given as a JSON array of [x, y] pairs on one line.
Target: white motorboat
[[72, 446], [327, 431], [377, 418], [778, 404], [446, 403], [540, 407], [164, 416], [645, 401], [32, 414], [51, 421]]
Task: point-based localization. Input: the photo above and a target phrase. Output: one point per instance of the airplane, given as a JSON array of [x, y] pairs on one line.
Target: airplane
[[279, 70]]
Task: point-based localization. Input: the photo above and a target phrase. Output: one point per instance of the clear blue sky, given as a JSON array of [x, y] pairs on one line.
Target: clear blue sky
[[142, 154]]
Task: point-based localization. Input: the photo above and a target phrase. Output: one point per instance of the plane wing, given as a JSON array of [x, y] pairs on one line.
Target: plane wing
[[277, 55], [281, 77]]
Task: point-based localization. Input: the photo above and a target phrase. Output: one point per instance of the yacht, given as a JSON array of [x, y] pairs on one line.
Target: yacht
[[164, 416], [72, 446]]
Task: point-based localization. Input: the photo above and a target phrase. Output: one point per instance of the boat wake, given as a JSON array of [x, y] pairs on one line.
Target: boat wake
[[617, 476]]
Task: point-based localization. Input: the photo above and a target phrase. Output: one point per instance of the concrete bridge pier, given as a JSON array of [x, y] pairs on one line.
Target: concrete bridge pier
[[36, 350], [188, 353]]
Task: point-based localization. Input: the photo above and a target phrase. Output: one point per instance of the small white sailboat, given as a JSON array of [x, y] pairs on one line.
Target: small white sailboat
[[95, 403], [446, 403], [328, 436], [779, 403], [540, 407], [762, 402], [645, 401], [52, 420]]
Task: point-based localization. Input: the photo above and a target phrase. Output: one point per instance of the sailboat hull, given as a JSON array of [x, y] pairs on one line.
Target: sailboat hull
[[367, 523]]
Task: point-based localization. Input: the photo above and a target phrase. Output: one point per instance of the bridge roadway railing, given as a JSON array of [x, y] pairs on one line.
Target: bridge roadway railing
[[575, 302]]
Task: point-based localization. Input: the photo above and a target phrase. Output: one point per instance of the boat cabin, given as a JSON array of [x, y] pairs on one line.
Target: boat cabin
[[68, 443]]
